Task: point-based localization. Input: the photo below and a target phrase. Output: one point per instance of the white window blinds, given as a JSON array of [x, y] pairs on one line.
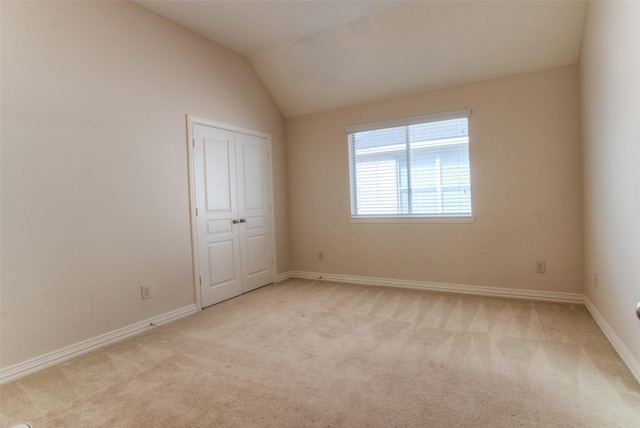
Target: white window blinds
[[411, 167]]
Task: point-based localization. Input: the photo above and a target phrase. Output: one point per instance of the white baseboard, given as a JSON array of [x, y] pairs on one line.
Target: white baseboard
[[42, 362], [282, 276], [624, 353], [477, 290]]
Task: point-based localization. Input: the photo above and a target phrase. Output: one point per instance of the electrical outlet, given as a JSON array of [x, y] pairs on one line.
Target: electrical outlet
[[146, 292], [595, 280], [540, 267], [320, 255]]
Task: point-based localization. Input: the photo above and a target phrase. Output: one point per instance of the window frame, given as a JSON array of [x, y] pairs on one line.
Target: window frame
[[405, 218]]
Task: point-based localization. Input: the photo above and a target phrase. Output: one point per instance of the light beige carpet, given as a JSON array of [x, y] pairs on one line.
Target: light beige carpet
[[318, 354]]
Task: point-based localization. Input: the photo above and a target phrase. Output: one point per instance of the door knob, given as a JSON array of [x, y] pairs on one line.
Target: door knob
[[243, 220], [235, 221], [638, 310]]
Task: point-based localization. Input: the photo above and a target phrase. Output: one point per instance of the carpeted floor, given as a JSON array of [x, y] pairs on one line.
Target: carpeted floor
[[319, 354]]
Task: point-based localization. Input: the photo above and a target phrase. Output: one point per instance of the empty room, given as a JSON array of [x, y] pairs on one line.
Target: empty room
[[319, 213]]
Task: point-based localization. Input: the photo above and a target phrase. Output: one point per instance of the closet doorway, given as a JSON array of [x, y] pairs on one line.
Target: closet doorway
[[232, 214]]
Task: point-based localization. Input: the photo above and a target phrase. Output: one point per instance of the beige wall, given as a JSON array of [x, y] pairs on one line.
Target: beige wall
[[526, 190], [94, 165], [610, 90]]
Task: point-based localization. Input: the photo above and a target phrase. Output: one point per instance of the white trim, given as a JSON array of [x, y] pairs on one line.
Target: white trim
[[191, 120], [477, 290], [272, 212], [56, 357], [458, 114], [410, 219], [283, 276], [625, 355], [194, 120]]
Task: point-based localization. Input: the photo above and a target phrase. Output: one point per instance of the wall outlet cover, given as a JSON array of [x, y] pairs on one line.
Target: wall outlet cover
[[146, 292]]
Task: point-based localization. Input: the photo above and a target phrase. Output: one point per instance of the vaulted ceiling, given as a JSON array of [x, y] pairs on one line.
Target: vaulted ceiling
[[321, 55]]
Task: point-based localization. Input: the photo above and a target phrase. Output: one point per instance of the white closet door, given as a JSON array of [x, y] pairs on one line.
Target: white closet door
[[234, 233], [255, 212], [218, 237]]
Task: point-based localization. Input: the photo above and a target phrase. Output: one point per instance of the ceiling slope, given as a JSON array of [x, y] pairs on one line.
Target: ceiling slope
[[315, 56]]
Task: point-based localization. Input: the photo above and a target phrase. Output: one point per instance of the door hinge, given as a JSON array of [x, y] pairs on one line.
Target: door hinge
[[196, 211], [200, 280], [193, 142]]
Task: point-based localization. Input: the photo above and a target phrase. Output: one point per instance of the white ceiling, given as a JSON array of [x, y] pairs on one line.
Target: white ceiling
[[320, 55]]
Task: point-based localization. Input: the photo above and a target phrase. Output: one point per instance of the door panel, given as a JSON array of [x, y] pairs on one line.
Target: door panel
[[255, 223], [223, 272], [254, 206], [215, 227], [218, 172], [221, 263], [257, 254], [216, 202], [253, 183]]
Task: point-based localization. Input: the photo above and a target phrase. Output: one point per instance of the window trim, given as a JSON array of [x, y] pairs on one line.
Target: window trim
[[411, 219], [408, 218], [372, 126]]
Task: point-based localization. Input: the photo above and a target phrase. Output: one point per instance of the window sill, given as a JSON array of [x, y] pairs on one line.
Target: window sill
[[406, 219]]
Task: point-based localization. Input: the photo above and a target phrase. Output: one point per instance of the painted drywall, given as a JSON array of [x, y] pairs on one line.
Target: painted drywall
[[610, 108], [526, 190], [419, 46], [95, 192]]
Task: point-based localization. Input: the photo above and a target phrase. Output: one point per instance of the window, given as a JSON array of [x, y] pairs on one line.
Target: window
[[411, 168]]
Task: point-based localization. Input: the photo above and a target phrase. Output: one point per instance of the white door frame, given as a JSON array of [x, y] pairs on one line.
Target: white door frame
[[191, 121]]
